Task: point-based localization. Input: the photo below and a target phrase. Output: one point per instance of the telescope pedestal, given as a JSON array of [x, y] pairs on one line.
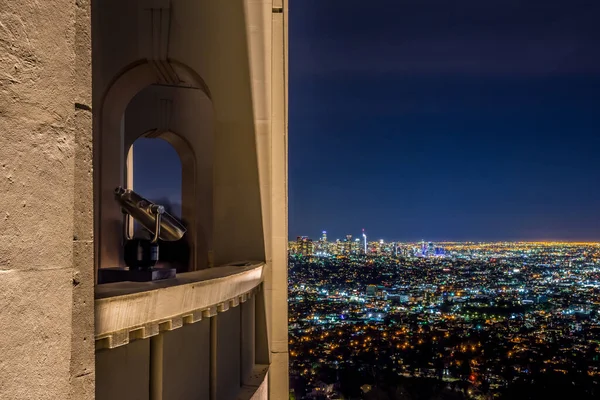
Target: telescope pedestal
[[110, 275]]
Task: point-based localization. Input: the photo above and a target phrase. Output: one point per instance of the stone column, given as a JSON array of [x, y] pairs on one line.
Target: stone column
[[278, 374]]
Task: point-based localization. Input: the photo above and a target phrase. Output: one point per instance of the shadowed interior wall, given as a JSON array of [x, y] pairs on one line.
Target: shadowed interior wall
[[123, 373], [248, 337], [187, 362], [228, 354]]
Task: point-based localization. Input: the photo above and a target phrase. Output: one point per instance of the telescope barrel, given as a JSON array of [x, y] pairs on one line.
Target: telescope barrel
[[149, 215]]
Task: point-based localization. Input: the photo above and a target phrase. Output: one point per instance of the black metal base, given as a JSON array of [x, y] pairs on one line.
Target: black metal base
[[110, 275]]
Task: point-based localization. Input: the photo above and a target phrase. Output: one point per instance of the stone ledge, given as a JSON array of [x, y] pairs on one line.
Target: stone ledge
[[137, 310]]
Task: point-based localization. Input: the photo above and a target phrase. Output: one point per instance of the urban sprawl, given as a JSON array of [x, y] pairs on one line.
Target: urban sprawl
[[388, 320]]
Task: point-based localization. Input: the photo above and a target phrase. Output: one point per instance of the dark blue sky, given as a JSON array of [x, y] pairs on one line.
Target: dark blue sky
[[159, 182], [439, 120]]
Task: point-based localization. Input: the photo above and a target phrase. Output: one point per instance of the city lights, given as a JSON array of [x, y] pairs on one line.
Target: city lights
[[485, 314]]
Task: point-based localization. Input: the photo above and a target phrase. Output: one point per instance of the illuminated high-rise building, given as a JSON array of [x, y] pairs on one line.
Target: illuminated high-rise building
[[321, 247], [430, 249], [305, 245], [356, 247], [299, 244], [379, 247], [339, 247]]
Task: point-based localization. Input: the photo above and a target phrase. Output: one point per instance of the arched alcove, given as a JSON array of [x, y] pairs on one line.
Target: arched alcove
[[155, 171], [137, 104]]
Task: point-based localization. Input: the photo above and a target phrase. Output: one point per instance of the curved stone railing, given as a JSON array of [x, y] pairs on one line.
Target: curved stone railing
[[136, 310]]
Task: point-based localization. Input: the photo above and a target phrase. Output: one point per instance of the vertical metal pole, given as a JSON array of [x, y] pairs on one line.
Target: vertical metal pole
[[213, 358], [156, 367]]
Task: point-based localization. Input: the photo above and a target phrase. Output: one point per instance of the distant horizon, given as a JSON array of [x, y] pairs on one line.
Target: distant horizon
[[332, 238]]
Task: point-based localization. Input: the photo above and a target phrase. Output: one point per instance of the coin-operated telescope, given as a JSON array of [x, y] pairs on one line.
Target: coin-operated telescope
[[142, 254]]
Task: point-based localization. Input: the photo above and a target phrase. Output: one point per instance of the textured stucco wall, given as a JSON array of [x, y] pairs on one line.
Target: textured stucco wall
[[39, 150]]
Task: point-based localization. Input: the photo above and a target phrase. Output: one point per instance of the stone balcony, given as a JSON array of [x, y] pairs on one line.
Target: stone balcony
[[193, 337]]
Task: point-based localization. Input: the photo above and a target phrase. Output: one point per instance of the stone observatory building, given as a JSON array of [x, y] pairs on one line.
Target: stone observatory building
[[103, 293]]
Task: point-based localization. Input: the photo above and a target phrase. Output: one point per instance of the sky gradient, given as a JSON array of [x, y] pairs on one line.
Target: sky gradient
[[437, 121]]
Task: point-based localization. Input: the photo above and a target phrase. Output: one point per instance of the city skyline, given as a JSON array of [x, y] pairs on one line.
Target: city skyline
[[357, 234]]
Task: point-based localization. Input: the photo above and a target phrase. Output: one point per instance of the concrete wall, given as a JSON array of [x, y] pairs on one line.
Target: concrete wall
[[186, 360], [123, 373], [248, 338], [228, 354], [46, 296]]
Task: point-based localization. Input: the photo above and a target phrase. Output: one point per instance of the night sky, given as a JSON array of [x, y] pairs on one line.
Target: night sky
[[445, 120]]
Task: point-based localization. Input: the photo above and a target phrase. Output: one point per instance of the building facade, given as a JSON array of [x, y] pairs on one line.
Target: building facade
[[80, 81]]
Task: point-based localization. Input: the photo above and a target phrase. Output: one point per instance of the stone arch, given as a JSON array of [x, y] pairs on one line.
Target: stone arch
[[111, 143], [173, 252]]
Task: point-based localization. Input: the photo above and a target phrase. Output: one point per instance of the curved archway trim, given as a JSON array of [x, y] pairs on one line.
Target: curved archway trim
[[108, 137]]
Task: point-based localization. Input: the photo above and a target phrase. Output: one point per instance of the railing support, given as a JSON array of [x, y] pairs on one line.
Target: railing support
[[156, 367], [213, 357]]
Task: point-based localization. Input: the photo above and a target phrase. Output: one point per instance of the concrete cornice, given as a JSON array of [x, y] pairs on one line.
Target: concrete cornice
[[136, 310]]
